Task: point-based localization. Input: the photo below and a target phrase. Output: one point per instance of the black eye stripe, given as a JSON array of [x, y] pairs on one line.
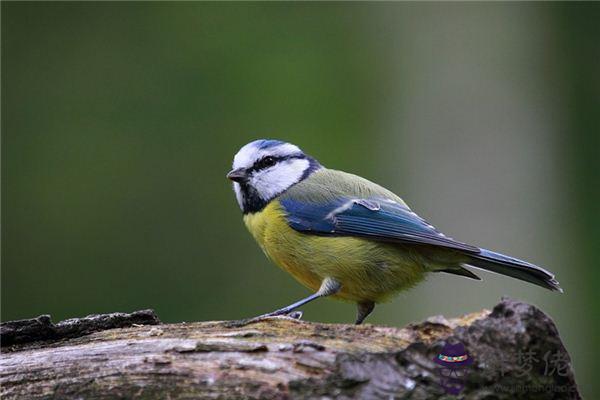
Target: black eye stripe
[[269, 161]]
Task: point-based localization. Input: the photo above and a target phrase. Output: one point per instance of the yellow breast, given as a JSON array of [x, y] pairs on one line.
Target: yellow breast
[[281, 244], [367, 270]]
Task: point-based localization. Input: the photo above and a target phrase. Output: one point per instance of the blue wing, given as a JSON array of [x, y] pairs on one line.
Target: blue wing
[[374, 218]]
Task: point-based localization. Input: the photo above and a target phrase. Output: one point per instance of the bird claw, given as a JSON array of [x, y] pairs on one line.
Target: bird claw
[[295, 315]]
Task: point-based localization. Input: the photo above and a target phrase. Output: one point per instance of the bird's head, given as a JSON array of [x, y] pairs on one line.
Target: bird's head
[[263, 169]]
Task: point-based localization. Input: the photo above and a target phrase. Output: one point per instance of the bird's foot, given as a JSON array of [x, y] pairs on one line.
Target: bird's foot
[[295, 315]]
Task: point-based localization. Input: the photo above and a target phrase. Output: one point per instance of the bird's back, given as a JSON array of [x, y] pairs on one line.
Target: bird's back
[[326, 185]]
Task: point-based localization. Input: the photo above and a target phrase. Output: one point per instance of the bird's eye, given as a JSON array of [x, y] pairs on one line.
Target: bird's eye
[[266, 162]]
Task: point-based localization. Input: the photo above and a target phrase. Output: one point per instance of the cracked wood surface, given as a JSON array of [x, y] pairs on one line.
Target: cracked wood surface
[[279, 358]]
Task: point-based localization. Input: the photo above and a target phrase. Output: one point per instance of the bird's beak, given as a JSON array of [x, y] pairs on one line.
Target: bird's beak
[[237, 175]]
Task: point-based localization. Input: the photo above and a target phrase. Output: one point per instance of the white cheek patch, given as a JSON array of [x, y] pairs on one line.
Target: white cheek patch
[[273, 181]]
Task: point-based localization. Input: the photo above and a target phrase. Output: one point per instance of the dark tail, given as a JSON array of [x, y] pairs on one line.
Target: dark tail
[[505, 265]]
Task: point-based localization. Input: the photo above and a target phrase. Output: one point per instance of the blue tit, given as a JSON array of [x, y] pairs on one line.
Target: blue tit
[[345, 237]]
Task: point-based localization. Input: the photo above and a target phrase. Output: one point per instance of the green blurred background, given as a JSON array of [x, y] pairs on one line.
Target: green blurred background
[[119, 122]]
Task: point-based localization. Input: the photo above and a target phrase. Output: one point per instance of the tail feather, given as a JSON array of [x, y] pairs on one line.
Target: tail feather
[[513, 267], [461, 271]]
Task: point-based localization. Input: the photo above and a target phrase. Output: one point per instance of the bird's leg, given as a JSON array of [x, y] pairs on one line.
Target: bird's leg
[[329, 287], [364, 308]]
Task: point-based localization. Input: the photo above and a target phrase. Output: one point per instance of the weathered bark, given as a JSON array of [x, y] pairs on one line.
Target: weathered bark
[[516, 349]]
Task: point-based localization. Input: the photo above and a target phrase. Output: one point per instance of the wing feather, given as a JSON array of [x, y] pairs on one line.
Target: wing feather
[[373, 218]]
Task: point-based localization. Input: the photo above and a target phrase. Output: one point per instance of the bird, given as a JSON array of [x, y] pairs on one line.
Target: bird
[[345, 237]]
